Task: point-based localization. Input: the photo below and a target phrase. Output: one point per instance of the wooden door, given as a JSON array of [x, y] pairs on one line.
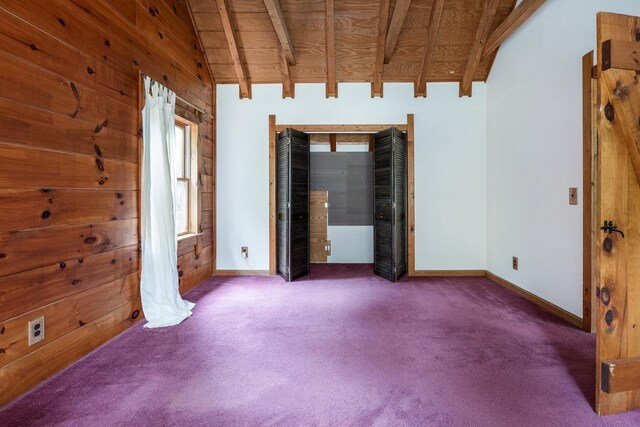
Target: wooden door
[[320, 246], [390, 204], [292, 188], [618, 211]]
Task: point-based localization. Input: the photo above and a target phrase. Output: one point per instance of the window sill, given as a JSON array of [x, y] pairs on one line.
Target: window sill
[[187, 236]]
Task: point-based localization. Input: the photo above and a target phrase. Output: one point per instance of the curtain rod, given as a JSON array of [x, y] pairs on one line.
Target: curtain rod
[[177, 97]]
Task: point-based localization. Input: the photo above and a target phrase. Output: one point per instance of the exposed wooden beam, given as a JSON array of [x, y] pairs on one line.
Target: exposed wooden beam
[[478, 46], [420, 86], [332, 142], [620, 54], [288, 88], [238, 65], [332, 85], [515, 19], [383, 20], [275, 13], [372, 142], [621, 375], [395, 26]]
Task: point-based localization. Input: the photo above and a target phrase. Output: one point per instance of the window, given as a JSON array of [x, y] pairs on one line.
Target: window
[[186, 165]]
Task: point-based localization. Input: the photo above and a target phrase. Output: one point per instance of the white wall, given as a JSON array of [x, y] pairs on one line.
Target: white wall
[[534, 137], [450, 165]]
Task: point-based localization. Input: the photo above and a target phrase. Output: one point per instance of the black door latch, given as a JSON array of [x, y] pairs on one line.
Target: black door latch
[[609, 227]]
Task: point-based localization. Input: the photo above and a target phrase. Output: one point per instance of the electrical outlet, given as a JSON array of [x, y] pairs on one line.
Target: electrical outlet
[[244, 252], [36, 330], [573, 196], [515, 262]]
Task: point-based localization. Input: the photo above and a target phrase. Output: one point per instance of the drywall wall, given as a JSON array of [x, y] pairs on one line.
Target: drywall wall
[[534, 140], [350, 244], [450, 172]]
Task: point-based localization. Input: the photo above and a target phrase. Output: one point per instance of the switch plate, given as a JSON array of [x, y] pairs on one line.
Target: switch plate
[[244, 252], [573, 196], [36, 330], [515, 262]]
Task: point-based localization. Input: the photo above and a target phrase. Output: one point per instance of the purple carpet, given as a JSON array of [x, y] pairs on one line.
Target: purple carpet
[[341, 347]]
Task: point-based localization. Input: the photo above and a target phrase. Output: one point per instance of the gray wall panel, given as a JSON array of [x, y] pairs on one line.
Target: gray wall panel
[[348, 177]]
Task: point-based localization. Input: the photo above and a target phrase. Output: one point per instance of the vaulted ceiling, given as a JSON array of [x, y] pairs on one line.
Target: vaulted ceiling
[[329, 41]]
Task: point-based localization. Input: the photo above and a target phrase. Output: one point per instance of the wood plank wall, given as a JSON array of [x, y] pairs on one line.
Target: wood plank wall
[[69, 171]]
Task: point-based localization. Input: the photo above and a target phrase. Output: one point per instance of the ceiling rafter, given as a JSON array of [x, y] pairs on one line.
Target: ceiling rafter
[[277, 17], [515, 19], [395, 26], [332, 84], [383, 20], [420, 86], [486, 22], [288, 88], [238, 65]]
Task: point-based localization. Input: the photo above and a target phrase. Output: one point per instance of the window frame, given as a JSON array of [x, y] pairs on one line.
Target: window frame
[[190, 175]]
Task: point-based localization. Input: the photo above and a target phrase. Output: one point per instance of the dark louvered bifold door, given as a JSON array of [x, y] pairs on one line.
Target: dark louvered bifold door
[[293, 204], [390, 204]]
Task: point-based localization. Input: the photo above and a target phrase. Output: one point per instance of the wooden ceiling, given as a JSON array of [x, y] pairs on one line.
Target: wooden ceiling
[[329, 41]]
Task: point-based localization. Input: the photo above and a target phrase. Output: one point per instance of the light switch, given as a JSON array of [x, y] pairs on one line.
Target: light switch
[[573, 196]]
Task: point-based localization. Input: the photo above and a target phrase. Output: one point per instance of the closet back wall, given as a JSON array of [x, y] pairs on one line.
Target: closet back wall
[[450, 165], [69, 170]]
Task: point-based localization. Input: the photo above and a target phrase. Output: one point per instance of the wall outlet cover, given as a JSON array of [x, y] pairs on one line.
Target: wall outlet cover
[[515, 262], [573, 196], [36, 330]]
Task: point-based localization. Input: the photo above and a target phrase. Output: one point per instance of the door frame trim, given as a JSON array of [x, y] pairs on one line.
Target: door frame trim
[[407, 127]]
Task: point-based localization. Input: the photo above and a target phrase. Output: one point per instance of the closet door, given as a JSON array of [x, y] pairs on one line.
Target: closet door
[[390, 204], [293, 204]]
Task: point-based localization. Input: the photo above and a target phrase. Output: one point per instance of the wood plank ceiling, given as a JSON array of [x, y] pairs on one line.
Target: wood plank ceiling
[[322, 41]]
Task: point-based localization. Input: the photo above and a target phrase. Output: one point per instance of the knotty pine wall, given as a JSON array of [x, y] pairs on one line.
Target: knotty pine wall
[[69, 170]]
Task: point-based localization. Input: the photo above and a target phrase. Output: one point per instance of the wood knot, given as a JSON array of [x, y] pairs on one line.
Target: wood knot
[[608, 112], [107, 43], [118, 195], [607, 245], [113, 261], [101, 182], [90, 240], [199, 64], [63, 265], [45, 214], [135, 62], [637, 35], [135, 314], [90, 70], [33, 46], [81, 323], [608, 317], [152, 12], [61, 21], [605, 296], [96, 147], [3, 255], [122, 203], [75, 282], [2, 330], [165, 78], [161, 36], [180, 273], [44, 190], [99, 164], [80, 260]]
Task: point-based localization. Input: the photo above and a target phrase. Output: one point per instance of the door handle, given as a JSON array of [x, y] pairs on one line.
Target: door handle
[[609, 227]]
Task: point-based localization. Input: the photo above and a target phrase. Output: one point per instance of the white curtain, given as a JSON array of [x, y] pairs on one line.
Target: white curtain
[[161, 300]]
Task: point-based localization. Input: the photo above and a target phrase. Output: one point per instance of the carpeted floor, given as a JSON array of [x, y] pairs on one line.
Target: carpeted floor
[[341, 347]]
